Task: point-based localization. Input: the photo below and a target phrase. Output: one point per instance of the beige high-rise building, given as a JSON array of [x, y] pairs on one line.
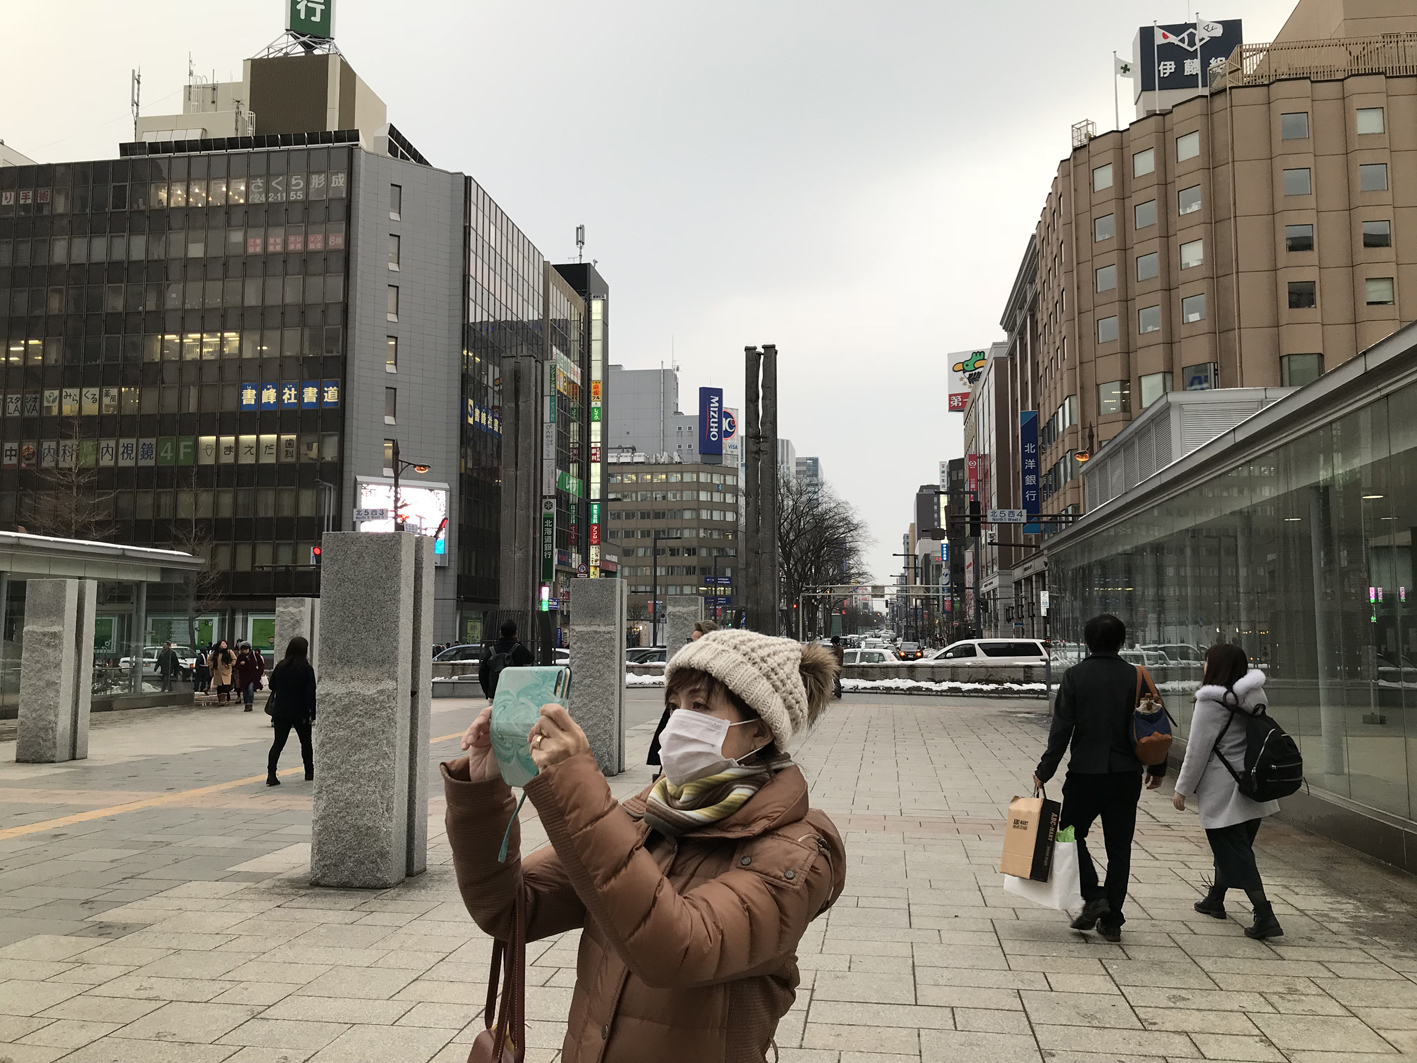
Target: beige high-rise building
[[1255, 236]]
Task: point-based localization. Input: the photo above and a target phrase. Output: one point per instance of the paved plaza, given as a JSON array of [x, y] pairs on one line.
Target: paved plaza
[[154, 908]]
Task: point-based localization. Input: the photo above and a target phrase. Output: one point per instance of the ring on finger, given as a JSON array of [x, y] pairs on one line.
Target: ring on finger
[[536, 741]]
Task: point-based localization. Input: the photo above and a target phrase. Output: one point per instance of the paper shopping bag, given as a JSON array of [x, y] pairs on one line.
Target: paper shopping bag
[[1029, 833], [1062, 891]]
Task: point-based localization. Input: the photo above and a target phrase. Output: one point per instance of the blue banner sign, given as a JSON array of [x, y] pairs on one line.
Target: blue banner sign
[[711, 421]]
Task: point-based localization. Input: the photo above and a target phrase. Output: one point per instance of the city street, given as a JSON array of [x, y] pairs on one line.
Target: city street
[[154, 908]]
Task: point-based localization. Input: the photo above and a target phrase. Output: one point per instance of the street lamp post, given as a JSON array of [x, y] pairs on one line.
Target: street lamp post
[[399, 466], [654, 587]]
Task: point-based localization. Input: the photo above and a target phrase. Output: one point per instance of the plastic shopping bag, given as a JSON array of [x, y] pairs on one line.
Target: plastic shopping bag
[[1062, 891]]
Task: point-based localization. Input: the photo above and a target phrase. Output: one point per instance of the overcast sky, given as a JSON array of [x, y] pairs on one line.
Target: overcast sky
[[853, 182]]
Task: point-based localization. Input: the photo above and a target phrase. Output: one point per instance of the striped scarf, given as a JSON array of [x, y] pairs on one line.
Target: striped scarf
[[675, 810]]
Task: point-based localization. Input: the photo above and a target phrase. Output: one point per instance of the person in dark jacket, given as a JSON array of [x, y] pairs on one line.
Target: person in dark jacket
[[292, 684], [167, 665], [249, 672], [506, 652], [201, 673], [1093, 714]]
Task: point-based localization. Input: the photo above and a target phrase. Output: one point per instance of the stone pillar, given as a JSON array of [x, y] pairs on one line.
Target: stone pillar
[[681, 611], [298, 616], [56, 670], [598, 669], [420, 698], [359, 834]]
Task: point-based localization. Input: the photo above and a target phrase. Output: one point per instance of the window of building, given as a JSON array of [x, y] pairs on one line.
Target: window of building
[[1296, 370], [1188, 146], [391, 353], [1106, 329], [1114, 397], [1145, 214], [1143, 162], [1148, 266], [1192, 253], [1372, 176], [1193, 308], [393, 251], [1370, 120], [1303, 295], [1106, 278], [1153, 386], [388, 457], [1297, 182], [1377, 234], [396, 202], [1294, 126], [1104, 228], [391, 405], [1298, 238], [1379, 291], [1188, 200], [1102, 177], [393, 308], [1149, 319]]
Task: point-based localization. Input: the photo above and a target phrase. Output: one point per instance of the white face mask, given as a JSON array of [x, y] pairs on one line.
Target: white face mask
[[691, 746]]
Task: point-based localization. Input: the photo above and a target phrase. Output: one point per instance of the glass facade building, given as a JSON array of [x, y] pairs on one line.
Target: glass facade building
[[1292, 536]]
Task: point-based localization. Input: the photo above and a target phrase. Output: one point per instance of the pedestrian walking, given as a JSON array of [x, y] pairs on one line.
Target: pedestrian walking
[[248, 673], [222, 662], [506, 652], [1230, 690], [839, 652], [167, 665], [292, 683], [1093, 713], [691, 897], [201, 672], [701, 628]]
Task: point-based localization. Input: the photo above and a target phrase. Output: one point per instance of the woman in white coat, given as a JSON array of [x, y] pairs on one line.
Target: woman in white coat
[[1231, 690]]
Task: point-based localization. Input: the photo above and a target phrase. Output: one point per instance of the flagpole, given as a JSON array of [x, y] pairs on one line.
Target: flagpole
[[1116, 107], [1155, 72], [1200, 65]]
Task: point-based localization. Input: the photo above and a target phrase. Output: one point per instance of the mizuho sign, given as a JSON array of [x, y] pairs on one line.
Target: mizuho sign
[[710, 421]]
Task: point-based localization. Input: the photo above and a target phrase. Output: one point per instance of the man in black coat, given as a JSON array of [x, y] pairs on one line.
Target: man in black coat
[[167, 665], [506, 652], [1093, 713]]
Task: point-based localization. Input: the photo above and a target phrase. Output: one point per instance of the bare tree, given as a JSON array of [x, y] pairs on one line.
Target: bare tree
[[69, 503], [821, 540], [202, 588]]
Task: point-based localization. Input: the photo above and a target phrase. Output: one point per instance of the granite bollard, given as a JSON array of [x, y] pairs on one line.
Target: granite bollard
[[681, 611], [598, 669], [297, 616], [420, 704], [56, 671], [364, 796]]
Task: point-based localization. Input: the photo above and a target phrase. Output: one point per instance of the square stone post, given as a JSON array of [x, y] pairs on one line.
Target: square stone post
[[420, 703], [359, 830], [56, 670], [297, 616], [681, 611], [598, 669]]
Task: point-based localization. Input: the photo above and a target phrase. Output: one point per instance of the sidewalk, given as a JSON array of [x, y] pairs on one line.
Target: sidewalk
[[182, 929]]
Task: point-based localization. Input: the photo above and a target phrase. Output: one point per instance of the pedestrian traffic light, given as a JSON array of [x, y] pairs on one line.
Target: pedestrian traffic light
[[315, 556], [974, 526]]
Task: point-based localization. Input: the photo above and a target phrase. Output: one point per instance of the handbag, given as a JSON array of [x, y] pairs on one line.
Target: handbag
[[1151, 723], [505, 1042], [1063, 890], [1029, 833], [271, 704]]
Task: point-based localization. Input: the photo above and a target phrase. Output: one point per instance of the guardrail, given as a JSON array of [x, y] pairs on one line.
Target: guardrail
[[1391, 54]]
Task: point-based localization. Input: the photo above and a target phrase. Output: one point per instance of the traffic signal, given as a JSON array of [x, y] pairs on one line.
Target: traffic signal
[[974, 526], [315, 556]]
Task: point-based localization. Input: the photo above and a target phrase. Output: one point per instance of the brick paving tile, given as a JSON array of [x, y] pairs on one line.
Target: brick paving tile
[[192, 919]]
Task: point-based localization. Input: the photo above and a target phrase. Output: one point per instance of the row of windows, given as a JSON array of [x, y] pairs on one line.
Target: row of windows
[[177, 295], [1293, 126], [674, 533], [684, 551], [1188, 201], [669, 496], [1148, 266], [673, 477], [1115, 396], [649, 588], [201, 192], [308, 342], [230, 241], [94, 401], [673, 514], [169, 450]]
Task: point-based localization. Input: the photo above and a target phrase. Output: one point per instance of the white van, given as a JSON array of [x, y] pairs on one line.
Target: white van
[[991, 651]]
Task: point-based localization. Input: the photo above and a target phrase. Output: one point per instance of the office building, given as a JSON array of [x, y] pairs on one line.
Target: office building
[[1289, 534], [808, 472], [648, 420], [221, 339], [676, 529]]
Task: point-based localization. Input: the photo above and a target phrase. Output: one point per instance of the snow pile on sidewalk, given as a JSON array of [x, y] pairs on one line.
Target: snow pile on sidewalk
[[632, 680], [893, 686]]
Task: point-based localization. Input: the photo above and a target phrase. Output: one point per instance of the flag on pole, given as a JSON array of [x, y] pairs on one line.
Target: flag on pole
[[1124, 68]]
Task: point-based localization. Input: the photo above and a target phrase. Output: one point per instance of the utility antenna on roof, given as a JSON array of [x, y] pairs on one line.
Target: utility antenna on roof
[[580, 243], [134, 94]]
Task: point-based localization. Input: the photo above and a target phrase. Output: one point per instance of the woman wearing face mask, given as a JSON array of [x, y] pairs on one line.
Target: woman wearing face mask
[[693, 895]]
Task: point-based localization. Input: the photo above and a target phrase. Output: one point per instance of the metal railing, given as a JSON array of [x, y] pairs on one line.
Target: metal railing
[[1391, 54]]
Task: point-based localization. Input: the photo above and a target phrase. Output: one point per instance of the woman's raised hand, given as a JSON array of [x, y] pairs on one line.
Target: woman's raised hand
[[555, 737], [477, 740]]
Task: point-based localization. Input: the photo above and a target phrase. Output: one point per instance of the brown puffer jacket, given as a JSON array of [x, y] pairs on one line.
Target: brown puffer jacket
[[689, 948]]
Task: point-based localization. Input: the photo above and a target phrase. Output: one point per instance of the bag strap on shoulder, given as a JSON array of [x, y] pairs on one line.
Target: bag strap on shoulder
[[1215, 749]]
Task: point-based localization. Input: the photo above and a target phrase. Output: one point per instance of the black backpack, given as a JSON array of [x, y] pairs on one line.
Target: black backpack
[[495, 664], [1274, 767]]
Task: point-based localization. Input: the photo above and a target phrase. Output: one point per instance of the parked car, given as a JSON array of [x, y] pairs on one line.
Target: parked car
[[1148, 659], [186, 661], [646, 655], [993, 651], [872, 643], [464, 651], [910, 651], [870, 656]]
